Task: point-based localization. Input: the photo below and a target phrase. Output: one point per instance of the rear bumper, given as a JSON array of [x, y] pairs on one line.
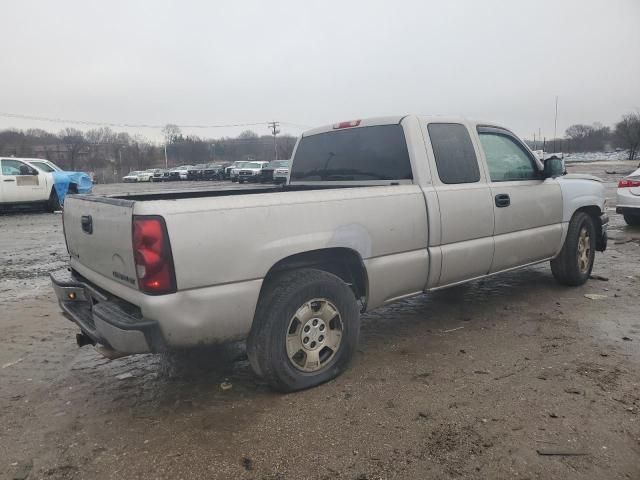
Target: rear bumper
[[623, 210], [106, 321]]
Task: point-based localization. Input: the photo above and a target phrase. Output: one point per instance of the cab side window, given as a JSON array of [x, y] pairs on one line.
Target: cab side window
[[506, 159], [14, 167], [455, 157]]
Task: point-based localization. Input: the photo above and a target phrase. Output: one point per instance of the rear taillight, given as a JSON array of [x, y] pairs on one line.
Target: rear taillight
[[152, 253], [627, 182]]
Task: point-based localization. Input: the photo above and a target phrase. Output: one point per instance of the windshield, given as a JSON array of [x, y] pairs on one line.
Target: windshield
[[366, 153], [44, 166], [278, 164], [252, 165]]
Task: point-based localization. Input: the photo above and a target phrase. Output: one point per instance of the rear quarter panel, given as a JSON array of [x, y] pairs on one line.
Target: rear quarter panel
[[239, 238]]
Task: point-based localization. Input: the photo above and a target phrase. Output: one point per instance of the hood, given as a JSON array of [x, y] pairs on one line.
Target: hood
[[62, 180], [581, 176]]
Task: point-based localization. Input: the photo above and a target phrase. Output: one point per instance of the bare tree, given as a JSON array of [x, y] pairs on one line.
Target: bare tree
[[172, 133], [627, 133], [75, 142]]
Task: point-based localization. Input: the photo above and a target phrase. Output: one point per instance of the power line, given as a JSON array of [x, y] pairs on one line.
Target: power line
[[132, 125]]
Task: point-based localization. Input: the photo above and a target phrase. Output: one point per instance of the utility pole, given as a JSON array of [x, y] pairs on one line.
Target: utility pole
[[539, 133], [166, 161], [555, 126], [275, 131]]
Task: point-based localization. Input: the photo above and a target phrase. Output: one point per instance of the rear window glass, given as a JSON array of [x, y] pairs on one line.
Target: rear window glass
[[455, 158], [367, 153]]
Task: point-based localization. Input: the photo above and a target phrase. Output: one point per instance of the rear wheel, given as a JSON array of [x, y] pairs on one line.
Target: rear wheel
[[574, 263], [632, 219], [305, 331]]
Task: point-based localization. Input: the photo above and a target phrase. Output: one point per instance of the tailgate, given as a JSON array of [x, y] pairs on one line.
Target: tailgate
[[98, 231]]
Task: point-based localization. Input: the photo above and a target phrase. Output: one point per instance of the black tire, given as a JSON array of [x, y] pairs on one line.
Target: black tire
[[567, 267], [632, 219], [279, 302], [53, 204]]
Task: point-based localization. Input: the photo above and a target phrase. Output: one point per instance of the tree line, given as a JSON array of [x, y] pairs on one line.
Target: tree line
[[596, 137], [110, 154]]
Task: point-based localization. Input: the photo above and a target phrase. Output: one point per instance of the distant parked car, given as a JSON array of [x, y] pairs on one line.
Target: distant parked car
[[131, 177], [226, 175], [250, 172], [279, 167], [236, 168], [182, 172], [628, 203], [213, 171], [196, 172], [145, 176], [160, 175]]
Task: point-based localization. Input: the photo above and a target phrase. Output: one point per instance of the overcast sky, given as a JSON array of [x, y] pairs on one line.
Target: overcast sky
[[317, 62]]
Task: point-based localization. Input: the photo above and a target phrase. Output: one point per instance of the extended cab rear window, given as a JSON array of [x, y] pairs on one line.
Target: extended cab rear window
[[455, 158], [366, 153]]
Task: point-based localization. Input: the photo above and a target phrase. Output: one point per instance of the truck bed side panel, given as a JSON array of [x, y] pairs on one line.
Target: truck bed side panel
[[235, 239]]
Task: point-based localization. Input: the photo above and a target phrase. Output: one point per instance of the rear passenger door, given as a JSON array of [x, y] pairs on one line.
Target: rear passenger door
[[528, 208], [465, 203]]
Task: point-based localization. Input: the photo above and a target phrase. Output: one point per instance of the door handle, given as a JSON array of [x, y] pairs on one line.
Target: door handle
[[9, 180], [503, 200]]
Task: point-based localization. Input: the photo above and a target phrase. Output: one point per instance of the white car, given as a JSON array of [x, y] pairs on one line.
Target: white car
[[132, 177], [250, 171], [236, 170], [38, 182], [145, 176], [628, 203], [182, 171]]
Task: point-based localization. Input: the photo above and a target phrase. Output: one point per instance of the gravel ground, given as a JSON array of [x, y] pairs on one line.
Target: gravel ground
[[470, 382]]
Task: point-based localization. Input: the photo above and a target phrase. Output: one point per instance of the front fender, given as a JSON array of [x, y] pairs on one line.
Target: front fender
[[581, 192]]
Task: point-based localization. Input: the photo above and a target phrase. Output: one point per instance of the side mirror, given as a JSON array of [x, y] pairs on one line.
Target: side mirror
[[553, 167]]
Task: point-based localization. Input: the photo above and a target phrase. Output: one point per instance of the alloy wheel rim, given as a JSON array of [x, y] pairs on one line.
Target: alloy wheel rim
[[584, 250], [314, 335]]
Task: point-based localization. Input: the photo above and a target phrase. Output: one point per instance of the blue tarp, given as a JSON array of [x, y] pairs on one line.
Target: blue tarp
[[62, 180]]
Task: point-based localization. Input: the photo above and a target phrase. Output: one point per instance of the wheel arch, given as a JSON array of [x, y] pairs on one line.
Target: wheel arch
[[342, 262]]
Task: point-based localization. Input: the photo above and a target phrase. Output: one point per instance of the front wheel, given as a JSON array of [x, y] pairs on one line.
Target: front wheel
[[574, 263], [53, 205], [305, 331]]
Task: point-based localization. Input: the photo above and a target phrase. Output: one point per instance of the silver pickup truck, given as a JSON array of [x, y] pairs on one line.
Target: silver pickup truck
[[374, 211]]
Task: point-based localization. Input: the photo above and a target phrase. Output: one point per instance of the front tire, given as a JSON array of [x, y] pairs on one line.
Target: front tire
[[305, 331], [53, 204], [574, 263]]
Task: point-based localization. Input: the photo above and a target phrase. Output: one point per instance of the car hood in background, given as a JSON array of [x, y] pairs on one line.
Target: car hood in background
[[62, 180], [581, 176]]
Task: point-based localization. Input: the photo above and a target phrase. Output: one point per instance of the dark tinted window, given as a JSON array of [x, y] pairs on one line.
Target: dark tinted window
[[455, 158], [367, 153]]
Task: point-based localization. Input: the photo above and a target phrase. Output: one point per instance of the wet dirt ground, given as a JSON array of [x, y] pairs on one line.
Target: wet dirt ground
[[471, 382]]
